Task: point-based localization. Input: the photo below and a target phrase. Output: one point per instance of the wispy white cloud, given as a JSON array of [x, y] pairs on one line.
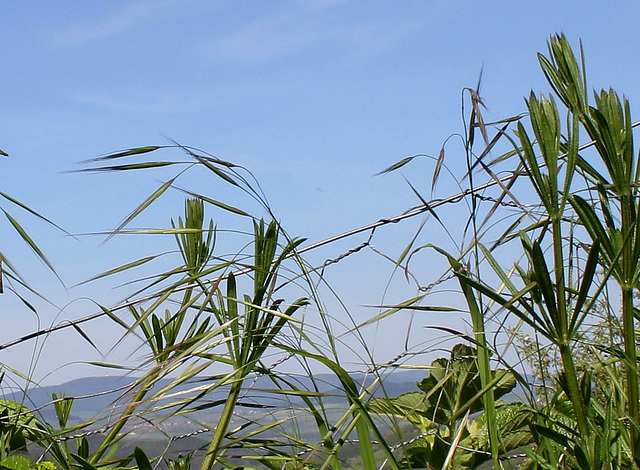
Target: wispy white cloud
[[124, 18], [166, 101], [179, 100], [300, 27]]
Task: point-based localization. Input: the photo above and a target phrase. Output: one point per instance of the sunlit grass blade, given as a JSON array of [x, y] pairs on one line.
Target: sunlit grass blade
[[128, 166], [214, 202], [125, 153], [141, 208], [119, 269], [397, 165], [365, 424], [407, 304], [33, 212], [484, 367], [29, 241]]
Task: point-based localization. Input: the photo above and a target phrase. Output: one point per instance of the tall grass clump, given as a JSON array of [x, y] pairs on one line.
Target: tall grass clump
[[573, 201], [217, 324], [545, 268]]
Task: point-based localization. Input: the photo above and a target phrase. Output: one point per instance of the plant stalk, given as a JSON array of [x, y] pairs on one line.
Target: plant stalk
[[573, 386], [484, 368], [211, 456], [113, 432], [628, 325]]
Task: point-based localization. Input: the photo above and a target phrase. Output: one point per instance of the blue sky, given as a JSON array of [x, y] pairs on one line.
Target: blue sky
[[313, 97]]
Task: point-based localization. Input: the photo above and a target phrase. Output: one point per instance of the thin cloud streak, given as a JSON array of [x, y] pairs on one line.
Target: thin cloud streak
[[120, 21], [179, 100], [294, 31]]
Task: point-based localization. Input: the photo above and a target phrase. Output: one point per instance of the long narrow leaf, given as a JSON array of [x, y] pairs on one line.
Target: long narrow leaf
[[25, 236], [146, 203]]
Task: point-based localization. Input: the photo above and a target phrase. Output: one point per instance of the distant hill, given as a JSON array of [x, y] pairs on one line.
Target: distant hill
[[95, 395]]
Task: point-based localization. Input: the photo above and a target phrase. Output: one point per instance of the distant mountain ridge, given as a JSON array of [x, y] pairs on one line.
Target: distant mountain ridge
[[97, 394]]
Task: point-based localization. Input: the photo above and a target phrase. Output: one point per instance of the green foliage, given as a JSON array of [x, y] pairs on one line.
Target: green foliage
[[18, 425], [15, 462], [579, 241], [19, 462], [561, 289], [538, 277], [181, 462], [449, 394]]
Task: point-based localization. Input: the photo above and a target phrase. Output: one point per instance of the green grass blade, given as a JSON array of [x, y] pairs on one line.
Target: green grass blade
[[146, 203], [29, 241]]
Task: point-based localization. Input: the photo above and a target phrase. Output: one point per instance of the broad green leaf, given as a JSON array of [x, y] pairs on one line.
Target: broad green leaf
[[141, 459], [15, 462]]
